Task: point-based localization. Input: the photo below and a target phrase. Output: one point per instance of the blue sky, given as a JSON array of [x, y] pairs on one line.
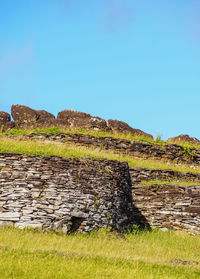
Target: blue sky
[[135, 61]]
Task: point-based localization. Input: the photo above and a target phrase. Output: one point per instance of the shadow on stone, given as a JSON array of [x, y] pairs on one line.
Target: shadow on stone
[[75, 224]]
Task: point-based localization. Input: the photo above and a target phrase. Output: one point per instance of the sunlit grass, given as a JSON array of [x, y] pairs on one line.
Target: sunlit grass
[[167, 182], [56, 130], [69, 150], [28, 254], [126, 136]]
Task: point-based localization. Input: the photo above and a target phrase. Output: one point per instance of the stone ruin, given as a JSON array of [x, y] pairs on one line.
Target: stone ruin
[[28, 118], [69, 195], [51, 192]]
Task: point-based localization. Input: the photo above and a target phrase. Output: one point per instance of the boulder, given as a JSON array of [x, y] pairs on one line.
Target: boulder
[[4, 118], [48, 123], [23, 114], [45, 115], [121, 127], [76, 119], [8, 126], [184, 138]]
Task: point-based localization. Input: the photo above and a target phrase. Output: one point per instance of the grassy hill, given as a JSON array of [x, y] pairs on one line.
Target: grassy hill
[[36, 147], [103, 254]]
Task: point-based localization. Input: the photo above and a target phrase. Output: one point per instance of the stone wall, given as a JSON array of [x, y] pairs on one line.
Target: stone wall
[[169, 152], [51, 192], [143, 174], [176, 207]]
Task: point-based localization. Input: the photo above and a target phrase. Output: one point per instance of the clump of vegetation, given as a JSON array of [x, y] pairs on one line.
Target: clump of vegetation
[[1, 129], [187, 145]]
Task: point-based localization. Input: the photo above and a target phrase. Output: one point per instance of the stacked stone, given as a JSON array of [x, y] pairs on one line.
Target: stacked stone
[[143, 174], [169, 207], [51, 192], [169, 152]]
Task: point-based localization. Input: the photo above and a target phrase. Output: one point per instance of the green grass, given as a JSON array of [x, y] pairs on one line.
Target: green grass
[[187, 146], [168, 182], [19, 132], [56, 130], [28, 254], [69, 150]]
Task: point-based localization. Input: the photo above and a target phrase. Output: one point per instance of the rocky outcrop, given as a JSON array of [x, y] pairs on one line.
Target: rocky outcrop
[[45, 120], [121, 127], [5, 121], [28, 118], [76, 119], [45, 115], [23, 114], [8, 126], [4, 118], [183, 139]]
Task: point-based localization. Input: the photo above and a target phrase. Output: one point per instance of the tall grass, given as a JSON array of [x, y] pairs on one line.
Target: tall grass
[[168, 182], [28, 254], [72, 150], [126, 136], [56, 130]]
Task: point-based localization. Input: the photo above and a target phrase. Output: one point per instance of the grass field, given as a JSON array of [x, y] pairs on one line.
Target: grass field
[[28, 254], [32, 255]]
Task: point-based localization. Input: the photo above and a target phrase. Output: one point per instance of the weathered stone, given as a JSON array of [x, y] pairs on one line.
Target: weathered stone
[[75, 119], [43, 114], [143, 174], [4, 118], [170, 152], [169, 206], [57, 199], [9, 216], [184, 138], [23, 114], [121, 127]]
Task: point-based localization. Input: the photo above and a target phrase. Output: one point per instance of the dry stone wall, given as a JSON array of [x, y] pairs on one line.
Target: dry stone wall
[[170, 152], [167, 206], [143, 174], [51, 192], [84, 194]]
